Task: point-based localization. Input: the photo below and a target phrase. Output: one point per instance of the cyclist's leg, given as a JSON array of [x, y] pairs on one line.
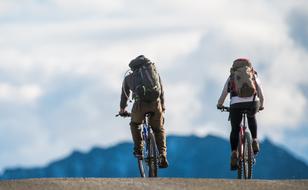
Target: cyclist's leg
[[137, 117], [236, 119], [157, 121], [252, 121], [252, 124]]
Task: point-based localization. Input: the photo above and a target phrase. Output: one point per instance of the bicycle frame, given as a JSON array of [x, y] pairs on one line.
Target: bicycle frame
[[145, 129], [242, 135]]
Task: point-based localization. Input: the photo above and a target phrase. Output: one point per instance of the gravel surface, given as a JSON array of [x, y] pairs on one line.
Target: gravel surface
[[150, 184]]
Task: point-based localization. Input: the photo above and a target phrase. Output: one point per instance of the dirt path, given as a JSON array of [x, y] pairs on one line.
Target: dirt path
[[150, 184]]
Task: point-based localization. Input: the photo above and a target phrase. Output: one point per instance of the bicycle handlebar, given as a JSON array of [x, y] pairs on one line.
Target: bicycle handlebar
[[224, 109], [127, 114], [227, 109]]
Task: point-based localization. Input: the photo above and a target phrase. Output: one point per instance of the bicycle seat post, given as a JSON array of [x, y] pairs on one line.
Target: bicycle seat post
[[245, 112]]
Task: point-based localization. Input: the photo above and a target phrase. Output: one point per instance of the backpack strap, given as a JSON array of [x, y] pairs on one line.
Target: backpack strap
[[128, 72]]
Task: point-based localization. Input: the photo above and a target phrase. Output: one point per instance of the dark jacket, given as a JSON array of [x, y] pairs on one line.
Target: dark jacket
[[128, 86]]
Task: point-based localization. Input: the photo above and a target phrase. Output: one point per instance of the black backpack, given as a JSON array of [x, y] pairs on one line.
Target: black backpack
[[146, 79]]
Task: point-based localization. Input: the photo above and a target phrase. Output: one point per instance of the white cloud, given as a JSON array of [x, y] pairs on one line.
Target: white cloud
[[213, 128], [285, 106], [69, 58], [182, 107], [21, 94], [80, 6]]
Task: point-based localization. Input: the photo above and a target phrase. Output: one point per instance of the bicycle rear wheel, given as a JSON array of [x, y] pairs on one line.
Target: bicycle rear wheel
[[141, 167], [152, 156], [248, 156], [240, 164]]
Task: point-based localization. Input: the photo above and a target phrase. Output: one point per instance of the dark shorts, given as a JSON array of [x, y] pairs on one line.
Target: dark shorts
[[251, 107]]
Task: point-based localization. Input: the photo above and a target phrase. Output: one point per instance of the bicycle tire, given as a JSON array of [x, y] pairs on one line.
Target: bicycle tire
[[248, 157], [144, 163], [141, 168], [152, 160], [240, 159]]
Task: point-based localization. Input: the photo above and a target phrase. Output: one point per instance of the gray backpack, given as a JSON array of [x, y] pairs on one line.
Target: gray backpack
[[146, 79]]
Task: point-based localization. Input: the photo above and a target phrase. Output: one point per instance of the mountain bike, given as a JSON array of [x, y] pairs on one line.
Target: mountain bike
[[148, 163], [246, 157]]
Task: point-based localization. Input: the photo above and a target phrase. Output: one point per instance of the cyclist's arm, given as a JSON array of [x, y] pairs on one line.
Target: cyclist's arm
[[125, 94], [224, 94], [260, 92], [162, 95]]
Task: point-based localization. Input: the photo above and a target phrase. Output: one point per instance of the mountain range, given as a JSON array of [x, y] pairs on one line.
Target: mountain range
[[189, 157]]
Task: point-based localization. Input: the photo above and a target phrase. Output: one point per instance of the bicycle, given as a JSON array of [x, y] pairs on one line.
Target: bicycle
[[149, 161], [246, 156]]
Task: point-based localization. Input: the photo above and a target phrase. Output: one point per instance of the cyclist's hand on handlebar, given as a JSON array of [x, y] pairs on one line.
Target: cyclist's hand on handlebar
[[123, 113], [223, 108], [261, 108], [219, 106]]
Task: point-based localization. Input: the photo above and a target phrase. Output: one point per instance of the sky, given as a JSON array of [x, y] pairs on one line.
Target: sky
[[62, 64]]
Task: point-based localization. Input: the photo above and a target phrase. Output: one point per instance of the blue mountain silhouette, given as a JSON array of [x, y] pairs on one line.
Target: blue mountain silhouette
[[189, 156]]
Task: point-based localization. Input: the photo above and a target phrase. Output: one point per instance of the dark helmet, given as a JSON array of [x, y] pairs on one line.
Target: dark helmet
[[138, 62]]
